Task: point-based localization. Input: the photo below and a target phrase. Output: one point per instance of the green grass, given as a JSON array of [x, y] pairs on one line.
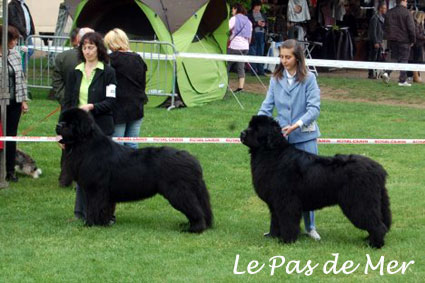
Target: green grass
[[38, 243], [373, 90], [348, 87]]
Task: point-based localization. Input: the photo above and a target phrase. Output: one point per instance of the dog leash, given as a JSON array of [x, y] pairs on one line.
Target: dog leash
[[30, 128]]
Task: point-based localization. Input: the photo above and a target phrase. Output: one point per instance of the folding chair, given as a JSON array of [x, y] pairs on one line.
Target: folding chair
[[308, 48]]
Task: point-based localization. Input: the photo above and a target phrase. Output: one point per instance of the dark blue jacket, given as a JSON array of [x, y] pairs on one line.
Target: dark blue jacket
[[103, 105]]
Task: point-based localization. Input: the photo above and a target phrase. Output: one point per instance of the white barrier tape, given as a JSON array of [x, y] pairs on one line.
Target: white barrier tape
[[263, 59], [218, 140], [310, 62], [144, 55]]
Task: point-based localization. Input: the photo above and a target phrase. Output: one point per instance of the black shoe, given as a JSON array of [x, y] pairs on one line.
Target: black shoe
[[238, 90], [11, 177]]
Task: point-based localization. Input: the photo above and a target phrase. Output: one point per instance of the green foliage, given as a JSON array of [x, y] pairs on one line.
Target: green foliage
[[245, 3], [39, 242]]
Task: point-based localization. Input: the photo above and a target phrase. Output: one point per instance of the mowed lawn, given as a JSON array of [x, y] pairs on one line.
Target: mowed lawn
[[39, 241]]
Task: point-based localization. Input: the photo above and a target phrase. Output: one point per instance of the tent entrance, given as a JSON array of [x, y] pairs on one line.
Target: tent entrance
[[104, 15]]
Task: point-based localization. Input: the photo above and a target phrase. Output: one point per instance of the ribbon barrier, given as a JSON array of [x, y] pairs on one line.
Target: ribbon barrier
[[262, 59], [310, 62], [203, 140]]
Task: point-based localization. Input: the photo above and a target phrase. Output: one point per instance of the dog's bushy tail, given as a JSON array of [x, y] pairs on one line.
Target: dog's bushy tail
[[385, 208], [204, 200]]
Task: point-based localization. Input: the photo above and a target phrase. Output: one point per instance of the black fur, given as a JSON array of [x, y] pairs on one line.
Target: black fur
[[109, 173], [291, 181]]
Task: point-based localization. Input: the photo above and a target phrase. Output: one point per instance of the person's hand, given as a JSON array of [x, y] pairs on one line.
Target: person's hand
[[24, 107], [289, 129], [87, 107], [61, 145], [24, 49], [377, 45]]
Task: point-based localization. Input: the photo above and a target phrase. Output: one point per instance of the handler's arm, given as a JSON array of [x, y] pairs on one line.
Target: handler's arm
[[312, 101], [268, 103]]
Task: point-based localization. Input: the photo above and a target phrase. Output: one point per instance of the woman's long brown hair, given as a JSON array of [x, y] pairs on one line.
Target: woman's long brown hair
[[298, 51]]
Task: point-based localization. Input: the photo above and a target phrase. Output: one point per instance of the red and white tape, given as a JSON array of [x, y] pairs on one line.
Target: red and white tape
[[219, 140]]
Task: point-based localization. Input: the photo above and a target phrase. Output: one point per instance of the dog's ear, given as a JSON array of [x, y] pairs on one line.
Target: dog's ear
[[274, 136], [85, 125]]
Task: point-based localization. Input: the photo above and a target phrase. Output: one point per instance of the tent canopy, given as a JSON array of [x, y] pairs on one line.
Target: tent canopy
[[199, 26]]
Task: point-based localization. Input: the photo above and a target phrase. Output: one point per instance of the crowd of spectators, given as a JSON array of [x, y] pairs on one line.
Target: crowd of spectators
[[374, 30]]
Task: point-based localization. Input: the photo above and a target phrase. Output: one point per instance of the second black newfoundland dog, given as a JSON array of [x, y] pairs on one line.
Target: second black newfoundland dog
[[291, 181], [109, 173]]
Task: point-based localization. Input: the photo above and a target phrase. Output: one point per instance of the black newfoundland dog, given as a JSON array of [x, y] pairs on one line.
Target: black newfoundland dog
[[109, 173], [291, 181]]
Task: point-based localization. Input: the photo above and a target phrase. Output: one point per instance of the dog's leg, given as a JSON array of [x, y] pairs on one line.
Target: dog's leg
[[99, 210], [365, 214], [274, 223], [376, 235], [288, 212], [184, 200]]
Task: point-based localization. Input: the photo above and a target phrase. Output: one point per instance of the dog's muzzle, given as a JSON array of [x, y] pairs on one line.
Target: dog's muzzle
[[243, 136]]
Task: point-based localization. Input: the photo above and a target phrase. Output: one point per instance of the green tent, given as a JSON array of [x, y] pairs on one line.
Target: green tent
[[194, 26]]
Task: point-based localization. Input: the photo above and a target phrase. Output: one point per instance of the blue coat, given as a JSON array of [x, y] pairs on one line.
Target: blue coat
[[300, 101]]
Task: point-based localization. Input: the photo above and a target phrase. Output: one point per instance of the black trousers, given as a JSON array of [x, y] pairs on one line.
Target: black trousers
[[400, 53], [13, 114], [416, 56]]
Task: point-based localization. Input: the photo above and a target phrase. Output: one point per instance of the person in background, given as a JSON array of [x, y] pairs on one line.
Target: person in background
[[259, 24], [399, 30], [65, 63], [18, 97], [91, 86], [20, 17], [376, 37], [240, 36], [294, 92], [416, 52], [131, 83], [349, 19]]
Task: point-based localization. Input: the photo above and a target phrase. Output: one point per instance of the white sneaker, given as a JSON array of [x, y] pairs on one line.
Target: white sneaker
[[385, 78], [404, 84], [314, 235]]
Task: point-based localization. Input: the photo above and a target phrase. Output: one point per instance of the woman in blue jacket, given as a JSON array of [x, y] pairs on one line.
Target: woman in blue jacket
[[294, 92]]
